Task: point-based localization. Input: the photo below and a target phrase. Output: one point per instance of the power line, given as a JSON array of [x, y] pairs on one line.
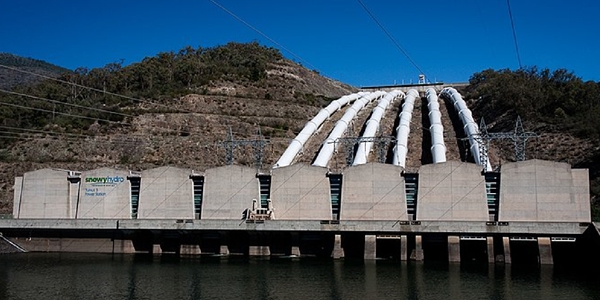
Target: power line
[[64, 103], [76, 115], [261, 33], [512, 24], [102, 91], [89, 118], [85, 87], [31, 135], [90, 108], [62, 113], [72, 115], [391, 38], [84, 117], [13, 136], [45, 131], [34, 134]]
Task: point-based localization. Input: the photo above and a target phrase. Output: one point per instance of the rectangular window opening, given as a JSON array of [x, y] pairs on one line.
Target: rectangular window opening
[[411, 185], [198, 183], [264, 182], [135, 195], [335, 191], [492, 192]]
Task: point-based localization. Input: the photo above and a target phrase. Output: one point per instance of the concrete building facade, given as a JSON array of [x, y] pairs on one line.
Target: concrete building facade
[[45, 194], [166, 193], [532, 190], [301, 192], [373, 191], [451, 191], [229, 191], [103, 194], [302, 209], [543, 191]]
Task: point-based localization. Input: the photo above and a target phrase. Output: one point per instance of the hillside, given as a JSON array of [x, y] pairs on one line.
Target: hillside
[[10, 78]]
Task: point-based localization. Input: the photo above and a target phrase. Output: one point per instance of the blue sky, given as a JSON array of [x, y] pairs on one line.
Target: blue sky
[[448, 40]]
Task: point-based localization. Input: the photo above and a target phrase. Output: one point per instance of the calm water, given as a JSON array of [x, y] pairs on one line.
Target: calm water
[[97, 276]]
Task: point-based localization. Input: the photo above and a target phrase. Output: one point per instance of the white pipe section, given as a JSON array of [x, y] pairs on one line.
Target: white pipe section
[[364, 149], [438, 149], [470, 127], [403, 129], [329, 145], [312, 126]]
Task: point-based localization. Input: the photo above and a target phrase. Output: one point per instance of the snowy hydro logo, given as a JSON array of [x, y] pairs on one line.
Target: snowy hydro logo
[[104, 181]]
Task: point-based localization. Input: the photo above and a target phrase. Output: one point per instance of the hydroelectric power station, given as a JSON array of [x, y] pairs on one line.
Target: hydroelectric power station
[[523, 211]]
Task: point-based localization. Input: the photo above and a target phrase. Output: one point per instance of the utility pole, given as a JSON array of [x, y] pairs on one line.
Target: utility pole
[[519, 137], [258, 146]]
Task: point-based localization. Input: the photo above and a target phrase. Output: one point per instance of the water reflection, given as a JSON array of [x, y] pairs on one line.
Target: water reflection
[[79, 276]]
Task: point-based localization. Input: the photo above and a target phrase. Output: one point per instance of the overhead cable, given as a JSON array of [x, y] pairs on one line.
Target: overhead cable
[[512, 24], [83, 86], [61, 113], [46, 131], [261, 33], [35, 134], [392, 38], [65, 103], [91, 89]]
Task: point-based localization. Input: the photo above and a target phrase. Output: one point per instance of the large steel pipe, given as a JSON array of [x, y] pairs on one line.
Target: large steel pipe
[[364, 148], [330, 145], [312, 126], [403, 129], [469, 125], [436, 130]]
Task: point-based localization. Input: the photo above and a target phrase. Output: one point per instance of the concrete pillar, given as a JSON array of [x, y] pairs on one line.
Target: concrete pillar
[[122, 246], [156, 249], [258, 245], [295, 251], [127, 246], [403, 248], [338, 251], [370, 246], [490, 249], [417, 253], [545, 250], [17, 196], [189, 250], [73, 200], [224, 250], [295, 244], [506, 243], [259, 251], [453, 248]]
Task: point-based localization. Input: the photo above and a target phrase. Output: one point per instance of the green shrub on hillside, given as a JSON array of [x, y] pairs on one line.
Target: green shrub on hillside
[[555, 97]]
